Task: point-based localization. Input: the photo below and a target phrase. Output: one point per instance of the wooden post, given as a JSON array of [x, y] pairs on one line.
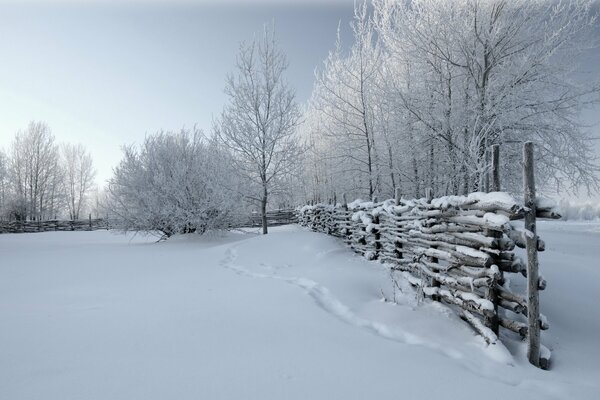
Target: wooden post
[[434, 282], [346, 230], [486, 175], [429, 195], [490, 293], [90, 219], [533, 306], [398, 196], [376, 236], [496, 168]]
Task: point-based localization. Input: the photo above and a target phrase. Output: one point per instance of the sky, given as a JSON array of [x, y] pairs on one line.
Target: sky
[[105, 73]]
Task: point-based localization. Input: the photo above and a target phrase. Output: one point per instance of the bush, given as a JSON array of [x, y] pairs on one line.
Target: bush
[[173, 183]]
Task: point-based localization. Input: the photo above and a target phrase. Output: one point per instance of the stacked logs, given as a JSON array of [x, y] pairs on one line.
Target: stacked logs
[[455, 249]]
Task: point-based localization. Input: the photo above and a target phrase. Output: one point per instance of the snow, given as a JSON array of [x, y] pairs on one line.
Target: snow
[[546, 203], [468, 251], [294, 314], [496, 219], [492, 199]]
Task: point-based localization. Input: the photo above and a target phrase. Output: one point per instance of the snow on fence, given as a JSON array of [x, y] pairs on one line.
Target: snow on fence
[[455, 249], [53, 225]]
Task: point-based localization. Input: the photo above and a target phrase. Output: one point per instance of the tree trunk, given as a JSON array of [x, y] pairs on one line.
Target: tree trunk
[[263, 211]]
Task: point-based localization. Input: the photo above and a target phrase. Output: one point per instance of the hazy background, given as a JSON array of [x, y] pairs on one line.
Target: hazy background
[[105, 73]]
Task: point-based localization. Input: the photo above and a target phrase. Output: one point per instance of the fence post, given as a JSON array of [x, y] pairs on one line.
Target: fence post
[[490, 292], [434, 282], [533, 306], [398, 250], [90, 220], [376, 232], [496, 168], [429, 194], [344, 213]]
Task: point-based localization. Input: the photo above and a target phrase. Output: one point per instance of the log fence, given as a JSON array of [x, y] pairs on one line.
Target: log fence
[[456, 249], [90, 224]]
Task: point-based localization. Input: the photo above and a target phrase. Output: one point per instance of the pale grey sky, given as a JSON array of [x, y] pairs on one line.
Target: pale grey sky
[[105, 72]]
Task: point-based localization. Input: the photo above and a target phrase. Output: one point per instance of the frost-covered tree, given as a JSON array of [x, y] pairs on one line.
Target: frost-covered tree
[[173, 183], [438, 82], [344, 96], [259, 122], [487, 72], [4, 189], [79, 177], [36, 175]]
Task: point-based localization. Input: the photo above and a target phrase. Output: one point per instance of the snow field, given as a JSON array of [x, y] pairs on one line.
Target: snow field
[[294, 314]]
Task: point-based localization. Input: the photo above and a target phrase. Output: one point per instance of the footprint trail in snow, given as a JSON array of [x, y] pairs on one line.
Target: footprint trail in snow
[[325, 300]]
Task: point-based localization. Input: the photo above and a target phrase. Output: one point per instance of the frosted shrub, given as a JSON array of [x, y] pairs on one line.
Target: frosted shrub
[[173, 183]]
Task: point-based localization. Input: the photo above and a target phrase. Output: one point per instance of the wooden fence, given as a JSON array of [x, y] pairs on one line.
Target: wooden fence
[[455, 249], [53, 225], [274, 218]]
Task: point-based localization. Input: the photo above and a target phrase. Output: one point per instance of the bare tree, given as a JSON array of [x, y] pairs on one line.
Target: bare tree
[[79, 177], [258, 125], [494, 72], [36, 174], [344, 95], [3, 185]]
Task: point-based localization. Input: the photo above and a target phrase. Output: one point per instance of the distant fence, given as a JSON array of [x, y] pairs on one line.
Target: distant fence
[[274, 218], [455, 249], [53, 225]]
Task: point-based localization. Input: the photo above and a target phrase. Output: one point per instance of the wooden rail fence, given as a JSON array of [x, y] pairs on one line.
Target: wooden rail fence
[[53, 225], [455, 249], [274, 218]]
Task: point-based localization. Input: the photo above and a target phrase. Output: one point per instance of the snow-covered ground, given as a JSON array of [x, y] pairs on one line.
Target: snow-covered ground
[[290, 315]]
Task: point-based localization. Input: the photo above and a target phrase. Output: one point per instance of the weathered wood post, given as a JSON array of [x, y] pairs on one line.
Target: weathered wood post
[[496, 168], [486, 175], [429, 194], [434, 282], [490, 294], [90, 220], [376, 233], [346, 229], [398, 197], [533, 306]]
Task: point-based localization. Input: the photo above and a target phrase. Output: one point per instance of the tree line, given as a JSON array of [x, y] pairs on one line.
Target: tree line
[[429, 86], [416, 101], [41, 179]]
